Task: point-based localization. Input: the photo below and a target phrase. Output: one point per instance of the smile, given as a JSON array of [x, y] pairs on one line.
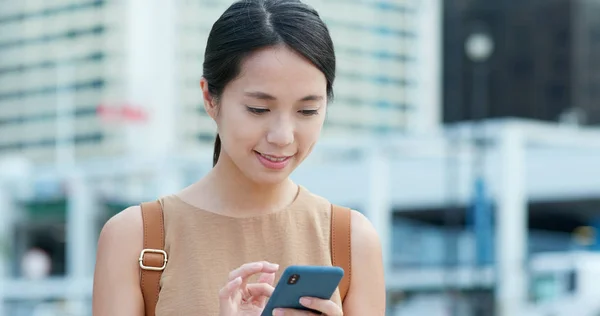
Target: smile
[[272, 161], [275, 158]]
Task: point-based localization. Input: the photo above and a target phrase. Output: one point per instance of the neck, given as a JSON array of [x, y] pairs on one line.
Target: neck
[[228, 191]]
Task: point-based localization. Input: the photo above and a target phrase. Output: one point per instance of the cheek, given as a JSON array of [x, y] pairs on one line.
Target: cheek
[[239, 130], [308, 132]]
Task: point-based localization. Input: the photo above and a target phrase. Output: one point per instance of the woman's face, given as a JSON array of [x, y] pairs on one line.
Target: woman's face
[[270, 117]]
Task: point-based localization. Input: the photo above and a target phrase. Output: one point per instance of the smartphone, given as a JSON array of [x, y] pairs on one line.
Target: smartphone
[[300, 281]]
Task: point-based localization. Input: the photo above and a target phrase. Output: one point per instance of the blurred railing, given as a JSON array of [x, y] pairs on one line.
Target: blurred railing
[[46, 308], [421, 245], [49, 297]]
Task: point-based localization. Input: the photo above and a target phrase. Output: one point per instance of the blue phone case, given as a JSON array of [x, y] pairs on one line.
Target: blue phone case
[[299, 281]]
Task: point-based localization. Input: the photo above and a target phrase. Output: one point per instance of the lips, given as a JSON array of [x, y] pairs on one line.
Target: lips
[[273, 162], [274, 158]]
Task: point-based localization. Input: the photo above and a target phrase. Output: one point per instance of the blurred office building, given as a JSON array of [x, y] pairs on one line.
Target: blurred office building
[[536, 61], [545, 66], [72, 71]]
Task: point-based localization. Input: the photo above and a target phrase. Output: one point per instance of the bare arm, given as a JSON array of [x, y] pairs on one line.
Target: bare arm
[[366, 295], [116, 278]]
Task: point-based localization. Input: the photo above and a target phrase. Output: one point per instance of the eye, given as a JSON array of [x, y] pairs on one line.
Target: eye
[[256, 110], [309, 112]]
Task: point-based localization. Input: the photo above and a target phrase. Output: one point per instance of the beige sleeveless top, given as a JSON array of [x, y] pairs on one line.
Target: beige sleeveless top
[[204, 247]]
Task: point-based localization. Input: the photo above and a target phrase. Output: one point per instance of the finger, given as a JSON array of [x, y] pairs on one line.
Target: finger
[[230, 288], [291, 312], [251, 268], [260, 290], [268, 278], [327, 307]]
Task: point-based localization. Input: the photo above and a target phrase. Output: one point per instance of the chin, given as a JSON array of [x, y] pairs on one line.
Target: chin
[[269, 178], [263, 176]]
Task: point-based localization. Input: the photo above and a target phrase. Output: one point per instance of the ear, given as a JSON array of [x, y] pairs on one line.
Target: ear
[[210, 106]]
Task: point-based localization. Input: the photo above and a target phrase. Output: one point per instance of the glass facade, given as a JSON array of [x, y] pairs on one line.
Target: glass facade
[[53, 63]]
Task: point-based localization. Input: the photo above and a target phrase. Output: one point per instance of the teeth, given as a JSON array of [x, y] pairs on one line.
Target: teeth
[[274, 159]]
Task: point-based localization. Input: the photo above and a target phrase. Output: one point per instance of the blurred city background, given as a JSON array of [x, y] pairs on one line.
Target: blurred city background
[[466, 130]]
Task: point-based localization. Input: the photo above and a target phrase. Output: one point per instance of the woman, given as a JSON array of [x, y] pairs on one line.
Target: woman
[[268, 75]]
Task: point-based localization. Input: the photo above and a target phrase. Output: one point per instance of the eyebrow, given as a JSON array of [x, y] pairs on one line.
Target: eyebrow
[[268, 97]]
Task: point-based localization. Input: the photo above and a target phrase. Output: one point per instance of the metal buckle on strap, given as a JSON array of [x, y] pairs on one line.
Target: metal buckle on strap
[[145, 267]]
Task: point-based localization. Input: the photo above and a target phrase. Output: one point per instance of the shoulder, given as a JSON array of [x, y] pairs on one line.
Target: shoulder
[[125, 227], [364, 236], [366, 295], [116, 276], [121, 239]]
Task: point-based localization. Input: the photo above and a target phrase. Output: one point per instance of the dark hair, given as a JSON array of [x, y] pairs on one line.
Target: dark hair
[[248, 25]]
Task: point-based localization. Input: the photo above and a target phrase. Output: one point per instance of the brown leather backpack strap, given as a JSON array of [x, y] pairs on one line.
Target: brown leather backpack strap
[[153, 258], [341, 253]]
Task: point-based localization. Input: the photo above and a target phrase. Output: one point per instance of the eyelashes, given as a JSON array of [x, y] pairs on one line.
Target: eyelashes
[[256, 110], [259, 111], [309, 112]]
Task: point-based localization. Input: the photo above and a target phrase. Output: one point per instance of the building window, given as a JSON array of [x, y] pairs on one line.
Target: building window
[[78, 86], [92, 57], [80, 112], [50, 142], [52, 11], [71, 34]]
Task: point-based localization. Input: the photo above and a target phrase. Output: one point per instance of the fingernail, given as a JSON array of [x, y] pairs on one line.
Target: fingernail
[[305, 301], [277, 312]]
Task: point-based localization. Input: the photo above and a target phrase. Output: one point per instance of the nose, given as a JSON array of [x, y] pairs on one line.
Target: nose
[[281, 132]]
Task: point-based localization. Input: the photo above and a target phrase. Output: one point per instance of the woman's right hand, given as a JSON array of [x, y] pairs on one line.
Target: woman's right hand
[[238, 298]]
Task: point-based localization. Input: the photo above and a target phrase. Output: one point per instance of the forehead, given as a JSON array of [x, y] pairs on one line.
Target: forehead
[[281, 72]]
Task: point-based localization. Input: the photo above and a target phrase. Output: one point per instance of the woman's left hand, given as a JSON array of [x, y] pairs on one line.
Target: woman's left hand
[[326, 307]]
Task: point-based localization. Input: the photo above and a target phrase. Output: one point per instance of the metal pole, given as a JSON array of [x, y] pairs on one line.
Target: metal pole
[[81, 213], [379, 207], [481, 207], [479, 48], [14, 177], [511, 235], [8, 210], [451, 217]]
